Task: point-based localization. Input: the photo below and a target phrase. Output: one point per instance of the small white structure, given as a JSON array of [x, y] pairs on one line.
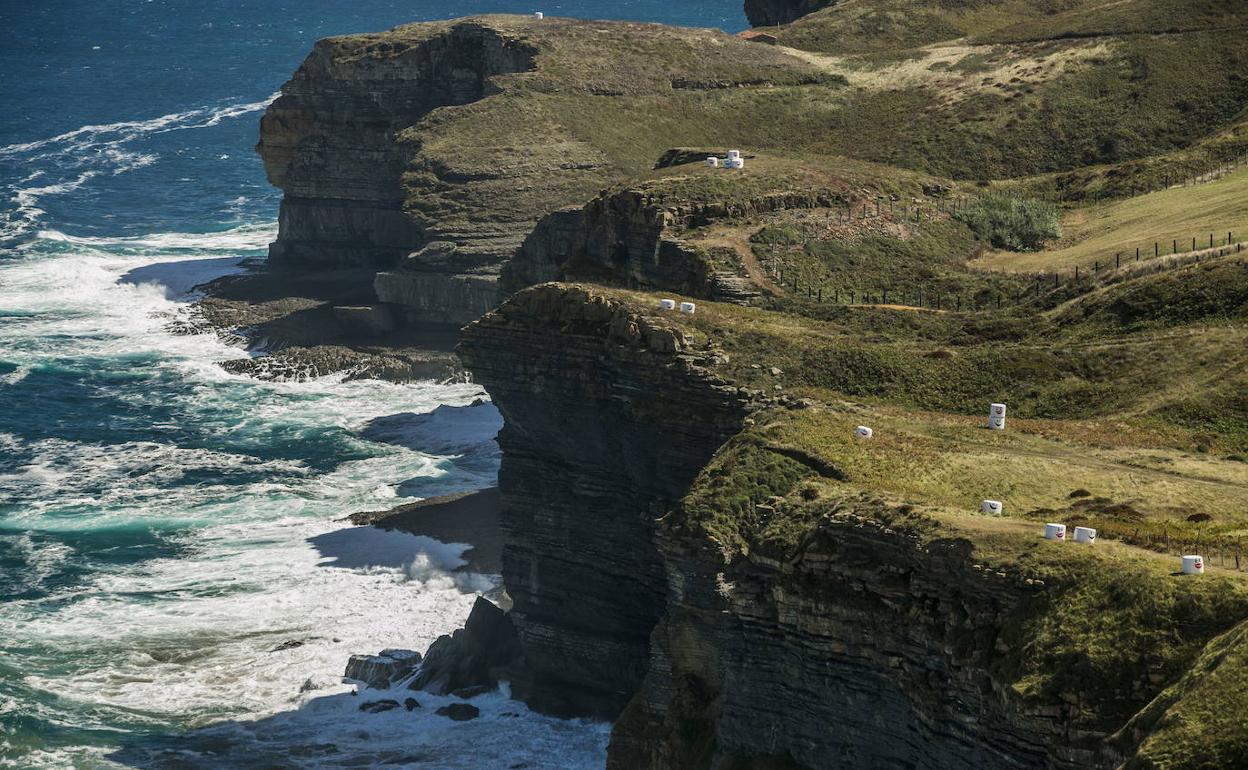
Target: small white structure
[[996, 417], [992, 507], [734, 163], [667, 304], [712, 161], [1055, 532], [688, 307], [734, 154], [863, 431], [1085, 535], [1193, 565], [539, 15]]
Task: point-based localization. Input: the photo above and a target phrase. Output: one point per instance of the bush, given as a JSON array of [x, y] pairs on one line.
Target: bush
[[1011, 222]]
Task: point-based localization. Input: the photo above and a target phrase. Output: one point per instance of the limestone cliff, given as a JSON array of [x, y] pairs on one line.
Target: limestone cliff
[[429, 151], [596, 446]]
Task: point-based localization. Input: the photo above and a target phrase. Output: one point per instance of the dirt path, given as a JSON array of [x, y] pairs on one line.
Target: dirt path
[[739, 241]]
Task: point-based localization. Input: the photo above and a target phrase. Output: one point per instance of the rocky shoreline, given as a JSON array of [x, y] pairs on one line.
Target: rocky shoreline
[[298, 325]]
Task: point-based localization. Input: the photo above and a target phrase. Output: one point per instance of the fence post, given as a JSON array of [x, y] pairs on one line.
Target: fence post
[[1156, 249], [1118, 260]]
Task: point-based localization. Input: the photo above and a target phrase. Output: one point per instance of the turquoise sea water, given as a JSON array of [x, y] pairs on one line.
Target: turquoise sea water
[[175, 590]]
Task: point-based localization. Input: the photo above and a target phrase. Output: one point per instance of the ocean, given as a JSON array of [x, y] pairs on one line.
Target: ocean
[[176, 586]]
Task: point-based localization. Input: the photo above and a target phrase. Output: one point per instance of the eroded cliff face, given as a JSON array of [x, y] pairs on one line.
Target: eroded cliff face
[[768, 13], [633, 237], [864, 649], [331, 140], [597, 444]]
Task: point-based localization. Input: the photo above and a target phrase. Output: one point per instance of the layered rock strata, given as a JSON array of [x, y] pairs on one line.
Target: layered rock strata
[[332, 141], [598, 443], [863, 649], [876, 637], [632, 237], [428, 152]]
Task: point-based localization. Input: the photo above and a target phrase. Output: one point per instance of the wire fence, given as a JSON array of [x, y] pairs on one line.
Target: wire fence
[[1022, 288]]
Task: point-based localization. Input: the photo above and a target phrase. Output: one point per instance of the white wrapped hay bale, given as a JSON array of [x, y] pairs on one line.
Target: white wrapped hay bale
[[688, 307], [1085, 535], [1055, 532], [734, 154], [712, 161], [996, 417], [667, 304], [1193, 565], [991, 507], [863, 431], [539, 15]]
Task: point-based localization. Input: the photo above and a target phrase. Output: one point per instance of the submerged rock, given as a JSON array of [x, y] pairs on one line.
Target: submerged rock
[[411, 704], [378, 706], [460, 712]]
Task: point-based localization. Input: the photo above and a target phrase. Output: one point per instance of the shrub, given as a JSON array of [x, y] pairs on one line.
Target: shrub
[[1011, 222]]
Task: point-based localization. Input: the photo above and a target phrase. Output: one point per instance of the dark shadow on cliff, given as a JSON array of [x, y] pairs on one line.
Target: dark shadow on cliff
[[469, 517], [372, 547], [463, 433], [447, 430], [180, 278]]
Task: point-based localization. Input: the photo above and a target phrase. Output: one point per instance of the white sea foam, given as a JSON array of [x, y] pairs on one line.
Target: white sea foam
[[125, 130], [238, 626]]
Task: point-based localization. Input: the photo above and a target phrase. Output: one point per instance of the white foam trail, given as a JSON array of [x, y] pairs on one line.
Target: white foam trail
[[126, 130], [253, 237]]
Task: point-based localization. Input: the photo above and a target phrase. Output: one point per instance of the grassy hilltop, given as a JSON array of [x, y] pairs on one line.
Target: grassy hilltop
[[979, 95]]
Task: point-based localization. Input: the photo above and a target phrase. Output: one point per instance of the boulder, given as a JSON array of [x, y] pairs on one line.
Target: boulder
[[381, 670], [378, 706], [473, 656]]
